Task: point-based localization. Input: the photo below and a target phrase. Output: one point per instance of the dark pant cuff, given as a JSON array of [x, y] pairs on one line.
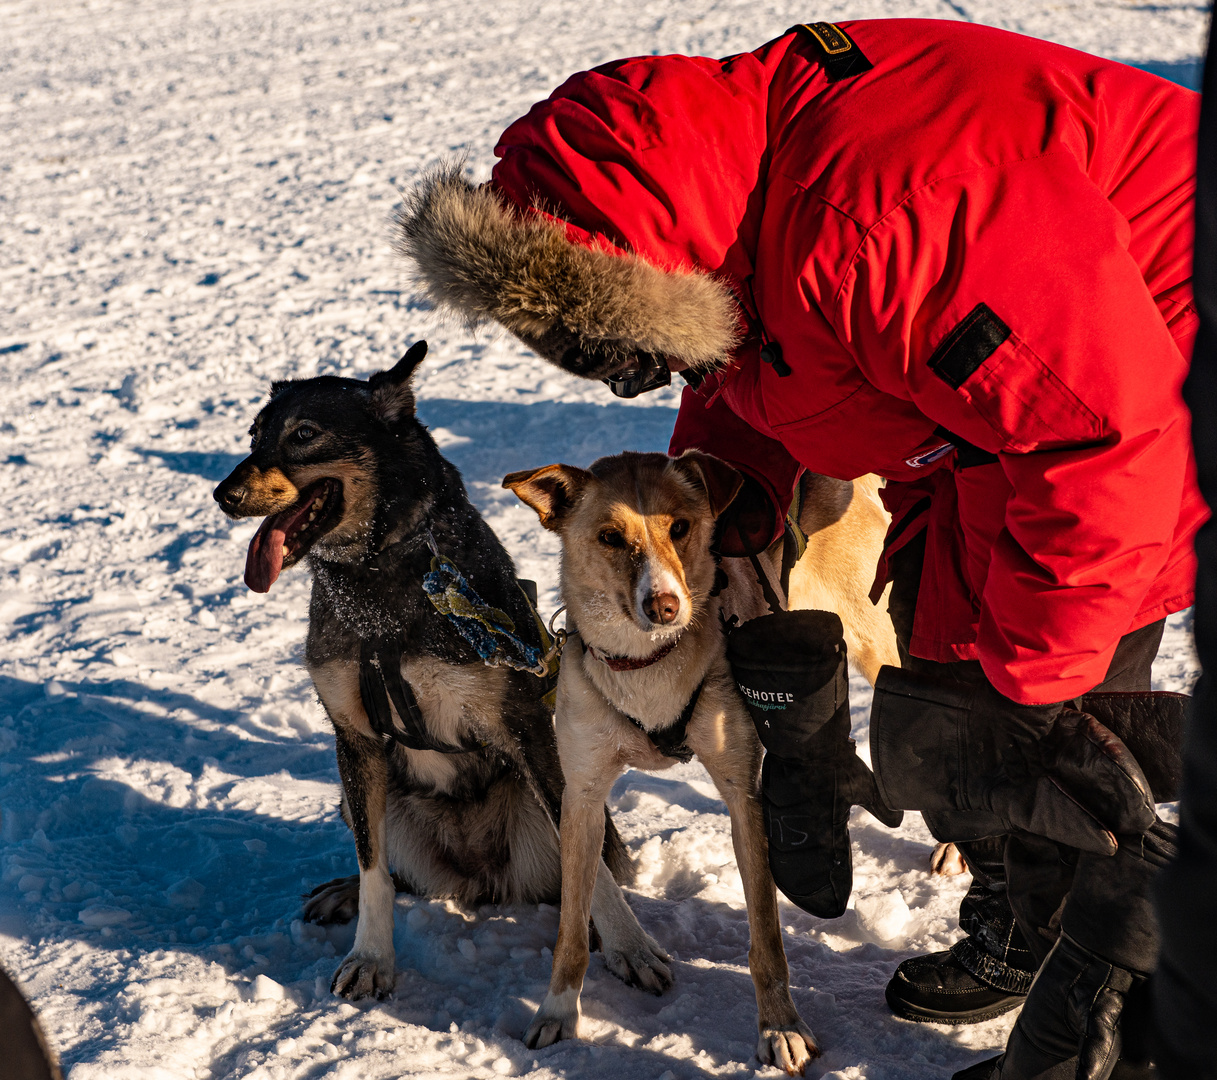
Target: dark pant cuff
[[993, 973]]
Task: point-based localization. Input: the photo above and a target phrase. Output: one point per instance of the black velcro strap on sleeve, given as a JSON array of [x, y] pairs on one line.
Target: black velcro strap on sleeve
[[837, 53], [977, 337]]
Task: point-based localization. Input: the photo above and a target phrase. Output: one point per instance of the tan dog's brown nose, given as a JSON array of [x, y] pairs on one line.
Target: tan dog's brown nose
[[661, 607]]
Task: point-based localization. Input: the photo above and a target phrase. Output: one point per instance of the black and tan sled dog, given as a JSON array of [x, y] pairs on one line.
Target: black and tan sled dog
[[423, 648]]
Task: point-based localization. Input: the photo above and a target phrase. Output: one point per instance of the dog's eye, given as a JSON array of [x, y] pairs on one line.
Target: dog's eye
[[305, 432], [612, 538], [678, 529]]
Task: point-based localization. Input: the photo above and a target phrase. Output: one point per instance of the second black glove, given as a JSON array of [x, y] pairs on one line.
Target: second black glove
[[983, 765]]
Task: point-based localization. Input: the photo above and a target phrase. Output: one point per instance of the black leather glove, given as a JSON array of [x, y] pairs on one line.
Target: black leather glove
[[945, 747], [1088, 1007], [791, 668], [749, 524]]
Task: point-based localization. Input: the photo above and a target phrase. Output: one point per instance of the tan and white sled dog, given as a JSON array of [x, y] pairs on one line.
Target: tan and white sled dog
[[645, 683]]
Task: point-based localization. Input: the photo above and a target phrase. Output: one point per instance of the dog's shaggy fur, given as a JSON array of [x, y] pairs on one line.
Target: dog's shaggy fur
[[586, 309], [348, 479], [647, 649]]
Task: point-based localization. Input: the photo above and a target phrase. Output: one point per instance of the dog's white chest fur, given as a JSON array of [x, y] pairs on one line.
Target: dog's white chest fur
[[456, 700], [655, 696]]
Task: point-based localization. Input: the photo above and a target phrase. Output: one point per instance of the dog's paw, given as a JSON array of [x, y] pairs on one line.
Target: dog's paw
[[946, 861], [556, 1019], [361, 975], [789, 1047], [336, 901], [639, 962]]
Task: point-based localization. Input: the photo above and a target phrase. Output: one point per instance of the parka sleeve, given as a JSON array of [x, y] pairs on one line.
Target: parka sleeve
[[1023, 325], [705, 422]]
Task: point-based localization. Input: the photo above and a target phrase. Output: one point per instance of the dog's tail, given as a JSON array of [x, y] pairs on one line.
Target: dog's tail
[[616, 855]]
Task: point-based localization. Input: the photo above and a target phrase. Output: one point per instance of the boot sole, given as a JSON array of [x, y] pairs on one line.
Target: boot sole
[[920, 1015]]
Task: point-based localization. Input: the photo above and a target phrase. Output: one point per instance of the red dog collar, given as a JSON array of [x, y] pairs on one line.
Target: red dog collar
[[633, 663]]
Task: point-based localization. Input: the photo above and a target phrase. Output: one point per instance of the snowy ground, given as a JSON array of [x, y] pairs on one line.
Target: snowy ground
[[195, 199]]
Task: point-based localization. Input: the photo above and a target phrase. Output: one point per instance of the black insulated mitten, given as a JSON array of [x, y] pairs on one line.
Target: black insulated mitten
[[791, 669], [981, 764]]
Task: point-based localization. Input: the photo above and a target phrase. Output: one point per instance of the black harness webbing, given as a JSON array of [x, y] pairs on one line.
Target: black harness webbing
[[794, 540], [381, 681], [670, 741], [794, 543], [771, 597]]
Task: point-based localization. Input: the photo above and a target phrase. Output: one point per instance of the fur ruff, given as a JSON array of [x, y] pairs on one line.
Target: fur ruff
[[584, 308]]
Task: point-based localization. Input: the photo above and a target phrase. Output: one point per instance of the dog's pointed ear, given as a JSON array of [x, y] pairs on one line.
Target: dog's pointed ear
[[392, 392], [552, 491], [716, 478]]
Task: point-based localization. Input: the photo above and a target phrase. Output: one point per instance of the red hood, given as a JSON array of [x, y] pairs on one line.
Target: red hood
[[662, 156]]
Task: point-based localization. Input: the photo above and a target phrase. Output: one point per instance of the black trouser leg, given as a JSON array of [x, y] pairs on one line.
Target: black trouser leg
[[1039, 873], [993, 948], [1184, 988]]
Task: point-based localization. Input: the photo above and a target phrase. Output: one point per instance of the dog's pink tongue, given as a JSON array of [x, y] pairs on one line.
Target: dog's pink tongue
[[265, 558]]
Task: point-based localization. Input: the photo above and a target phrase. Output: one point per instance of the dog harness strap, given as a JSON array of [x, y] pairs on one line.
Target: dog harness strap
[[771, 598], [670, 741], [794, 543], [381, 681]]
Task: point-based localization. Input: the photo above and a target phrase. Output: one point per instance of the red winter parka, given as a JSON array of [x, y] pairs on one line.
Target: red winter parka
[[961, 236]]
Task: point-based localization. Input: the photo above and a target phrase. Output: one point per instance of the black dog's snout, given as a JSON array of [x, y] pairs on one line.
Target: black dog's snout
[[229, 497]]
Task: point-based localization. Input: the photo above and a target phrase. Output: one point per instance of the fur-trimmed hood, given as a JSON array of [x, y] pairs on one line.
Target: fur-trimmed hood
[[582, 307]]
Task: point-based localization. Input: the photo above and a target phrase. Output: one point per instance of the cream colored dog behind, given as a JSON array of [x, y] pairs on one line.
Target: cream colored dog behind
[[645, 683]]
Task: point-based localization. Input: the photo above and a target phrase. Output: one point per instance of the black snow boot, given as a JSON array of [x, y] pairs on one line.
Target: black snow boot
[[984, 974], [791, 668], [938, 989]]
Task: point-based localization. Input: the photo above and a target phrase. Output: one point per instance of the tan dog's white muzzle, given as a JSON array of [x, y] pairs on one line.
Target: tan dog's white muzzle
[[659, 598]]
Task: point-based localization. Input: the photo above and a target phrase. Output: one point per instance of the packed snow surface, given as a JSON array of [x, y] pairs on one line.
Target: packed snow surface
[[196, 200]]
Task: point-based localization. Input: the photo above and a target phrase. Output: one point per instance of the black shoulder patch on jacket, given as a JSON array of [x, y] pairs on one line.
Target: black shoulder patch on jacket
[[977, 337], [838, 54]]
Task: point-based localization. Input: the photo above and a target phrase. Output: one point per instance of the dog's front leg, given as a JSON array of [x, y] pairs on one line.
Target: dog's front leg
[[732, 763], [582, 834], [370, 967], [629, 951], [363, 767]]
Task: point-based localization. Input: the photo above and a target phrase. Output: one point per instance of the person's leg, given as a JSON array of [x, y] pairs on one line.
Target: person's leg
[[1089, 925], [1039, 872], [986, 972], [1185, 993], [1011, 914], [993, 948]]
